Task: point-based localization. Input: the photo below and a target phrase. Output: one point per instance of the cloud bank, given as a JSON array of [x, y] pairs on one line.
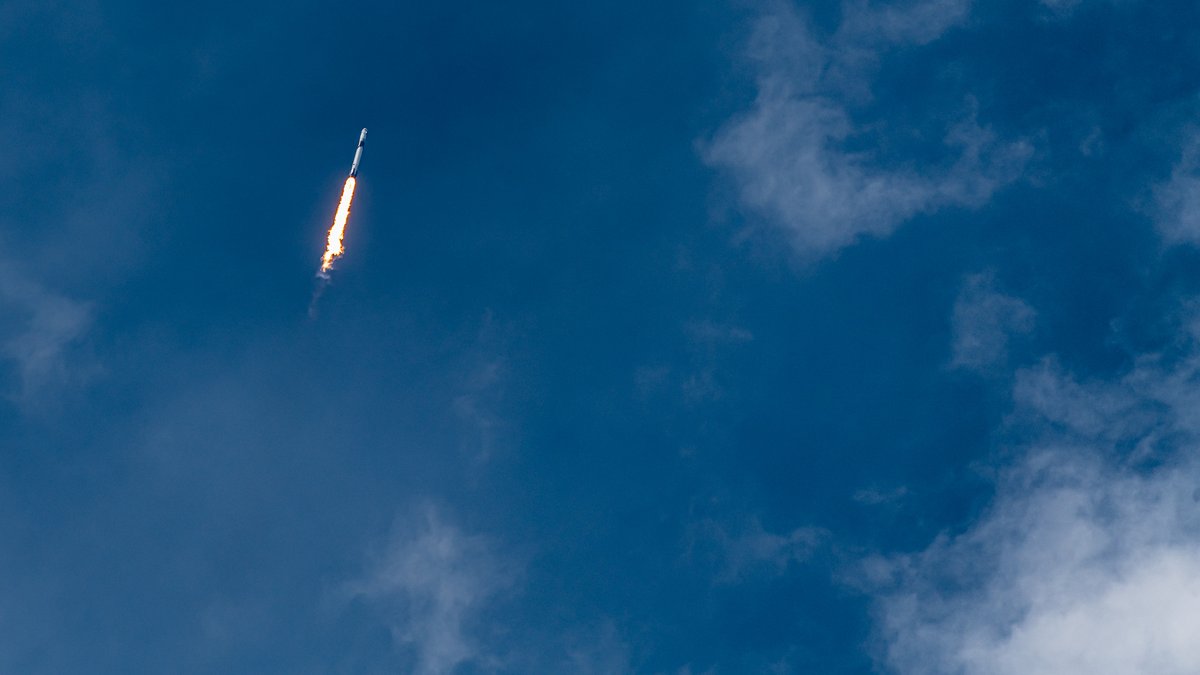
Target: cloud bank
[[1088, 559]]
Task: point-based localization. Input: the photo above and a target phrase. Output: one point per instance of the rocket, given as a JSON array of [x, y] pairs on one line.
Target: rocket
[[362, 139]]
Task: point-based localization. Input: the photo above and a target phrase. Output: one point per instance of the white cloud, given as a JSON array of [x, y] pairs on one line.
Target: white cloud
[[984, 319], [434, 581], [596, 652], [1065, 9], [476, 407], [708, 334], [480, 400], [875, 496], [742, 550], [1060, 7], [452, 601], [707, 342], [1177, 201], [698, 380], [912, 22], [1088, 560], [39, 329], [63, 142], [788, 153], [1078, 568]]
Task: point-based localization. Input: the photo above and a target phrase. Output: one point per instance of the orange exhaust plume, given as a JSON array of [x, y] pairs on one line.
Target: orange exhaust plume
[[334, 247]]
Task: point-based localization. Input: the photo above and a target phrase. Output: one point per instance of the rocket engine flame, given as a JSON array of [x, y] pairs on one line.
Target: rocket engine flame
[[333, 246], [333, 242]]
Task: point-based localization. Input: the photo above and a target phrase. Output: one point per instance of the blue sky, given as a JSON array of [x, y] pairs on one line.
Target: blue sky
[[712, 337]]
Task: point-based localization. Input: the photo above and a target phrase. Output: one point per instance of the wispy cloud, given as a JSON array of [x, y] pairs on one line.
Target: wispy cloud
[[1060, 7], [1079, 567], [1089, 558], [1065, 9], [983, 322], [1177, 200], [480, 400], [790, 154], [745, 549], [697, 379], [432, 581], [39, 330], [598, 651], [875, 496], [476, 408], [452, 601]]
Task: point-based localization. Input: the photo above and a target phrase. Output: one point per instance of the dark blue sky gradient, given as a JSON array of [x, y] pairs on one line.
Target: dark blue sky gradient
[[555, 323]]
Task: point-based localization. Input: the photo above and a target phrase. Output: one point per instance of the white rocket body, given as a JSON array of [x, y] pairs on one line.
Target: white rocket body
[[362, 139]]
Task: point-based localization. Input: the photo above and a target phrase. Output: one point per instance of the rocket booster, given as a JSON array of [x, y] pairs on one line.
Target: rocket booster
[[362, 139]]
